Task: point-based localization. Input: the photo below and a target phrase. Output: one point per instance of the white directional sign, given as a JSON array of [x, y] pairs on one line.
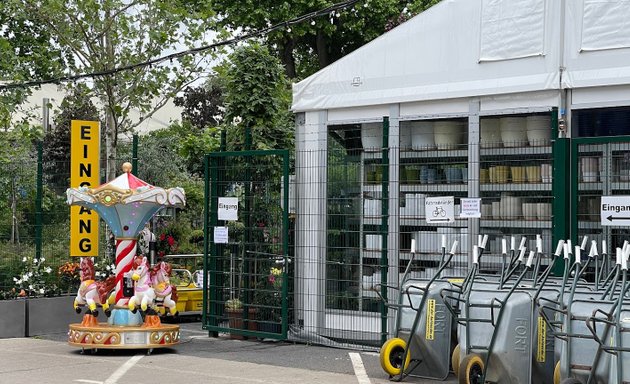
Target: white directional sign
[[615, 210], [439, 209]]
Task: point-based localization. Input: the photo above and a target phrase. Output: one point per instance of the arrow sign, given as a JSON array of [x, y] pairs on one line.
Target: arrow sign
[[439, 209], [615, 211]]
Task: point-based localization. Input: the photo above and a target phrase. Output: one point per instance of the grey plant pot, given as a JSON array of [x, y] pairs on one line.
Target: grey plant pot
[[50, 315], [12, 318]]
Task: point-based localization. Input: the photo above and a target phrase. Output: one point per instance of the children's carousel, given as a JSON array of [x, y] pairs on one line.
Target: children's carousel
[[131, 298]]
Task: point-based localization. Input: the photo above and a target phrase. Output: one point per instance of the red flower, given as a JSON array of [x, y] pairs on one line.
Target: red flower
[[162, 237], [170, 240]]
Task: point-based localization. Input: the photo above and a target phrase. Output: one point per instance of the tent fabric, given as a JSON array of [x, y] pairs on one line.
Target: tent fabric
[[432, 56], [606, 24], [509, 32], [478, 48]]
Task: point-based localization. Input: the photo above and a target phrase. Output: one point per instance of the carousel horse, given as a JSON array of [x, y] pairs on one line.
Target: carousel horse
[[143, 293], [164, 290], [93, 292]]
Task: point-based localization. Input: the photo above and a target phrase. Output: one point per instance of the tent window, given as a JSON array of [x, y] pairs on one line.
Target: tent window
[[601, 122]]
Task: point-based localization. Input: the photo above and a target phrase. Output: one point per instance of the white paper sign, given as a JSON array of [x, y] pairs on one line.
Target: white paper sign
[[220, 235], [439, 209], [471, 207], [228, 208]]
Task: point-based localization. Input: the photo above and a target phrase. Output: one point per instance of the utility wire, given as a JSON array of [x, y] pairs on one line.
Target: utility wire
[[158, 60]]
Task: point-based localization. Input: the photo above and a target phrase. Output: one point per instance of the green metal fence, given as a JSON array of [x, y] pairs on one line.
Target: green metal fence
[[248, 265]]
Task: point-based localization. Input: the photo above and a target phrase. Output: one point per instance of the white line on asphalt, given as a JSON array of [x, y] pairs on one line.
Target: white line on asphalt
[[359, 369], [88, 381], [113, 379]]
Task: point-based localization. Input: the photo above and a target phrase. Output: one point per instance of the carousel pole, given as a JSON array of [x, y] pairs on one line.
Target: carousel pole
[[125, 252]]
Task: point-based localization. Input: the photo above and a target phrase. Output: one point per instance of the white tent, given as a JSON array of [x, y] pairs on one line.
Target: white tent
[[471, 48], [459, 59]]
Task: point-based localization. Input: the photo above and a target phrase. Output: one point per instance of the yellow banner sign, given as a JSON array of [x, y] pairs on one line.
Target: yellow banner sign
[[84, 171]]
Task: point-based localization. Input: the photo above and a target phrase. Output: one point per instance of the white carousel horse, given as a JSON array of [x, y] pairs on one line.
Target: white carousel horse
[[93, 292], [143, 293], [164, 291]]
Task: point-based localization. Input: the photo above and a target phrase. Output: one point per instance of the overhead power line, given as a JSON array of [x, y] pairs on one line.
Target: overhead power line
[[191, 51]]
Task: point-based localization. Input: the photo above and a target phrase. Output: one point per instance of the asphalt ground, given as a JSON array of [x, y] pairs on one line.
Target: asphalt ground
[[197, 359]]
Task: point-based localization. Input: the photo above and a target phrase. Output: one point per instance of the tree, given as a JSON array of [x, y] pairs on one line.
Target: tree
[[25, 54], [104, 35], [203, 105], [56, 148], [306, 47], [257, 96]]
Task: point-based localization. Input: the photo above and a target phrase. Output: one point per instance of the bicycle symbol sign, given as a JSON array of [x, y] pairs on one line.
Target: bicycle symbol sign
[[439, 209]]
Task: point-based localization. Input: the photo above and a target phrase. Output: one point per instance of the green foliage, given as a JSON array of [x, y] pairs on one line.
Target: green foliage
[[103, 35], [203, 106], [257, 96], [25, 54], [56, 149], [307, 47]]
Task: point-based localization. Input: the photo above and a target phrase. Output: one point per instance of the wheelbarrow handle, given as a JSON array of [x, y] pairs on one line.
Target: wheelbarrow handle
[[447, 298], [492, 309]]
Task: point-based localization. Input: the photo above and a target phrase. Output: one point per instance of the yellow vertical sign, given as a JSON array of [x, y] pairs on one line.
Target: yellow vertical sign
[[430, 331], [84, 171]]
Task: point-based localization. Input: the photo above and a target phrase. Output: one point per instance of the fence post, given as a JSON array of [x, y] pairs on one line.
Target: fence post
[[134, 156], [38, 201]]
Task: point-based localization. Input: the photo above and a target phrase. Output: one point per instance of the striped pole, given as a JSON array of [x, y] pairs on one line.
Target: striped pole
[[125, 252]]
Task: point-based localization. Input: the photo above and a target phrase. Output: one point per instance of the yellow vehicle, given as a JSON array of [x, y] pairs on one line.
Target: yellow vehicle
[[188, 279]]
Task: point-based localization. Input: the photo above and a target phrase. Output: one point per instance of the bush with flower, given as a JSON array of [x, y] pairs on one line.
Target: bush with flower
[[36, 279], [165, 245], [268, 296], [69, 276]]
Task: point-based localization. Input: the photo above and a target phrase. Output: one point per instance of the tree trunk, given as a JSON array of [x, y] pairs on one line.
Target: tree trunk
[[287, 57], [111, 128], [322, 50]]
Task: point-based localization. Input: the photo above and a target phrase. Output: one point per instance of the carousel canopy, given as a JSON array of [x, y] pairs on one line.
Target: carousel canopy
[[126, 203]]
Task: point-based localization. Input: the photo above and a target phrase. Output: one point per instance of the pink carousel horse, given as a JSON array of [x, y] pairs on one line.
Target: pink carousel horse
[[164, 291], [92, 292], [143, 293]]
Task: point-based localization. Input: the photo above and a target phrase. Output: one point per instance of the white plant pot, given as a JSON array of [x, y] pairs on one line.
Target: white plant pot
[[530, 211], [373, 242], [422, 135], [543, 211], [511, 207], [513, 131], [448, 134], [372, 136], [490, 134], [538, 130], [590, 169]]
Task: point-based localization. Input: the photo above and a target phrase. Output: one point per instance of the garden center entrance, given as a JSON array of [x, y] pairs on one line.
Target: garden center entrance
[[246, 256]]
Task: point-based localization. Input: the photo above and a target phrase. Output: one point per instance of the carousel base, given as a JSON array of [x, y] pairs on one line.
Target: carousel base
[[90, 334]]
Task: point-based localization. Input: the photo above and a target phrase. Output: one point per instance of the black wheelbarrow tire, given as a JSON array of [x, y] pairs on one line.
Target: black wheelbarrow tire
[[471, 369], [391, 356], [455, 356]]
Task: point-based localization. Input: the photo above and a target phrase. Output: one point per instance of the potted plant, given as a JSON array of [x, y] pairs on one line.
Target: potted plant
[[268, 299], [234, 309]]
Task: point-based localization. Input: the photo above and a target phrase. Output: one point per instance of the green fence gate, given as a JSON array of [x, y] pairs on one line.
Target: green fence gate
[[246, 263]]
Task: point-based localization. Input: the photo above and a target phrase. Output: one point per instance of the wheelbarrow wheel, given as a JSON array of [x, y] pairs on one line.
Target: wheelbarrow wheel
[[556, 374], [455, 360], [471, 369], [392, 354]]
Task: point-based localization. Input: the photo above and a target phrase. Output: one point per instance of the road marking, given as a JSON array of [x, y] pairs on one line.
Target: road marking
[[359, 369], [113, 379], [88, 381]]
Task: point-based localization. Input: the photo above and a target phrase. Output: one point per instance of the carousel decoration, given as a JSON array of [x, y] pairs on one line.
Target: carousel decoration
[[126, 204]]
